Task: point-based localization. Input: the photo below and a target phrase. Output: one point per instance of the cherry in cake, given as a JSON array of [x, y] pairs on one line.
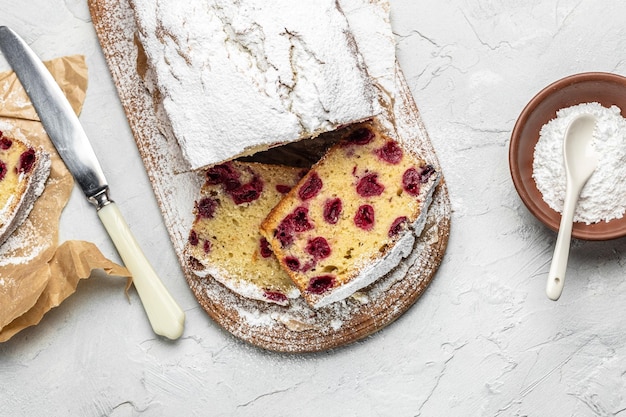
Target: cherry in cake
[[353, 217], [225, 242], [23, 174]]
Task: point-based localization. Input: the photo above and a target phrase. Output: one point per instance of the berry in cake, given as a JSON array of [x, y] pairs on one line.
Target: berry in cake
[[23, 174], [353, 217], [225, 242]]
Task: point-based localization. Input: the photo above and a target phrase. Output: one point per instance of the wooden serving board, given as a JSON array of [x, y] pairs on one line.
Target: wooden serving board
[[296, 328]]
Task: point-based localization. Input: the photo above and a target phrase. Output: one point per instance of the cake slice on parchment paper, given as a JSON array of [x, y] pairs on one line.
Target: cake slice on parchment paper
[[247, 75], [23, 174]]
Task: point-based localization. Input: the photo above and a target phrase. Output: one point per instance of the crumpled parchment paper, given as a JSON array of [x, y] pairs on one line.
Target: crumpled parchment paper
[[36, 273]]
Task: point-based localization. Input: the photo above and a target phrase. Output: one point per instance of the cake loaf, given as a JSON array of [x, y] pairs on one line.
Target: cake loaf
[[23, 174], [370, 27], [224, 241], [234, 78], [353, 217]]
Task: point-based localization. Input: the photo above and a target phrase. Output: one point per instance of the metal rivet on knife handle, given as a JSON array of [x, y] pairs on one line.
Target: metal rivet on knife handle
[[64, 129]]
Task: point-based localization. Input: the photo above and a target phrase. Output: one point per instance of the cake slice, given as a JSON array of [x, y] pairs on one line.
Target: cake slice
[[23, 174], [237, 77], [353, 217], [225, 242]]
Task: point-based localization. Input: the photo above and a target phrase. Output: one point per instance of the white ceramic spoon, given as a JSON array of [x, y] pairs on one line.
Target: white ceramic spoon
[[580, 161]]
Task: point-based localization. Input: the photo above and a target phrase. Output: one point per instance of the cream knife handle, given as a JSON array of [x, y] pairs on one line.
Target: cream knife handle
[[166, 317]]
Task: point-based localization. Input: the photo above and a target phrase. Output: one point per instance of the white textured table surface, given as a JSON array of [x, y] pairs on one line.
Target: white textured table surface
[[484, 340]]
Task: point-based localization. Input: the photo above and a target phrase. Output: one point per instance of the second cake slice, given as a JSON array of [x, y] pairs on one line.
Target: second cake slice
[[353, 217]]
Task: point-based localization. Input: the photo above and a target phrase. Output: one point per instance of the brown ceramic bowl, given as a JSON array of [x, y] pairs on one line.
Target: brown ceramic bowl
[[604, 88]]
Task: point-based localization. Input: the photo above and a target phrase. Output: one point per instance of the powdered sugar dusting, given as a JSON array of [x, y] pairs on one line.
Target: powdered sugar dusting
[[4, 211], [244, 76], [11, 130], [370, 25], [26, 241], [245, 289], [255, 318]]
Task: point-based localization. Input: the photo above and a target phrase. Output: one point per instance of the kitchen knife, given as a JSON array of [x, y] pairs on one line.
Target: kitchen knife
[[64, 129]]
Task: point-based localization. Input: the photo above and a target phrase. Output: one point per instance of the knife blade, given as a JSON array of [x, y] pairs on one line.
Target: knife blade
[[66, 133]]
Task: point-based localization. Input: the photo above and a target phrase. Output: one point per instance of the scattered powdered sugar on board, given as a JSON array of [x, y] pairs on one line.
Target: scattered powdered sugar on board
[[603, 198]]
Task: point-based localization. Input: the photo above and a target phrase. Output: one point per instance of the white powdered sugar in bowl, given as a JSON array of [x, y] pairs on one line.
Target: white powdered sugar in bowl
[[603, 198]]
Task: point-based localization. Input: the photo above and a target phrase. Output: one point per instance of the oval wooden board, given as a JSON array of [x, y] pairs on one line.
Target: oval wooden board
[[296, 328]]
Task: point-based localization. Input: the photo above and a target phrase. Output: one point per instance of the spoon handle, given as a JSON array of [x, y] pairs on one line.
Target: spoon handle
[[556, 276]]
